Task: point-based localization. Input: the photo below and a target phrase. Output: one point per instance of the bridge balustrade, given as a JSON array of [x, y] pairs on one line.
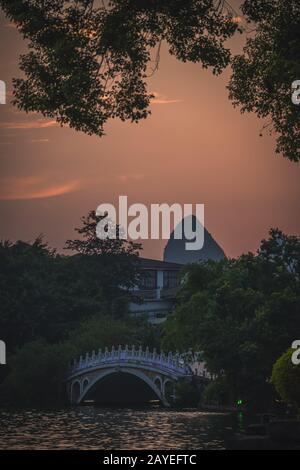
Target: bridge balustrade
[[131, 355]]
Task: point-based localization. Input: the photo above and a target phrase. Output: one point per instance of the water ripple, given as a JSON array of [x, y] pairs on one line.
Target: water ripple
[[112, 428]]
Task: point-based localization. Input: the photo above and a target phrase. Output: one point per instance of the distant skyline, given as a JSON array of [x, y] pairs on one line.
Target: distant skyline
[[195, 148]]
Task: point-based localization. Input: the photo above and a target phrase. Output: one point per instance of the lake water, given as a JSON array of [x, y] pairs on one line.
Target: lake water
[[90, 427]]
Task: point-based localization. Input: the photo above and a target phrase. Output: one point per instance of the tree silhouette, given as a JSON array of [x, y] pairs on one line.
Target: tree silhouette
[[89, 60], [263, 74]]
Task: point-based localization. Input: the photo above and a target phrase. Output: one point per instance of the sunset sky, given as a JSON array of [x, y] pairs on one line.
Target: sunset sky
[[195, 148]]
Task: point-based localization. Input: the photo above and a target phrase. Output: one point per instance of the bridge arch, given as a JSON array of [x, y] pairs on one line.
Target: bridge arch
[[139, 374], [150, 376]]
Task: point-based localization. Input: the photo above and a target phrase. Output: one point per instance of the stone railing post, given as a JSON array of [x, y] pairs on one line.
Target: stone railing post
[[161, 357], [87, 358], [154, 354], [99, 355]]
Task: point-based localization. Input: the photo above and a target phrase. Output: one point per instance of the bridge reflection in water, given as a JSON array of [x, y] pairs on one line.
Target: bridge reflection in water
[[125, 375]]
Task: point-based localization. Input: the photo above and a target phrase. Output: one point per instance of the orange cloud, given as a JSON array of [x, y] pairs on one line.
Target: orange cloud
[[133, 177], [39, 124], [236, 19], [12, 189], [162, 99], [32, 141], [10, 25]]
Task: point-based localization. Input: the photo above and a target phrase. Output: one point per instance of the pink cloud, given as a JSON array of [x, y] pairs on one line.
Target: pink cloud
[[131, 177], [11, 24], [38, 124], [162, 99], [12, 189], [236, 19]]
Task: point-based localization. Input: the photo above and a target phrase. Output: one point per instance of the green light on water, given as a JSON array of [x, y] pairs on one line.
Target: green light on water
[[239, 402]]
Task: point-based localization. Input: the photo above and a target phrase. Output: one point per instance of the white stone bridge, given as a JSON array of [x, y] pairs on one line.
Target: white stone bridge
[[126, 375]]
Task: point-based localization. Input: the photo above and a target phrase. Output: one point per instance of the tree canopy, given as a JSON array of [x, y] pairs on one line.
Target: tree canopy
[[263, 75], [45, 295], [242, 313], [286, 379], [89, 61]]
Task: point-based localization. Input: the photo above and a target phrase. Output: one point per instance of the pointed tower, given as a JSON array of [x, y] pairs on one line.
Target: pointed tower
[[175, 251]]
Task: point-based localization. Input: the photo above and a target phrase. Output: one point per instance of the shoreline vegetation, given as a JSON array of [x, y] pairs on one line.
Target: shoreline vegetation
[[242, 313]]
